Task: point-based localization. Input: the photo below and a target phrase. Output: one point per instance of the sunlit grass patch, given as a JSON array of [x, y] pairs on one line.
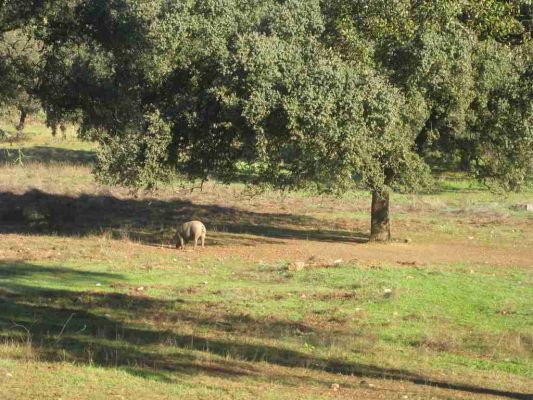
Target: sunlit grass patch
[[320, 312]]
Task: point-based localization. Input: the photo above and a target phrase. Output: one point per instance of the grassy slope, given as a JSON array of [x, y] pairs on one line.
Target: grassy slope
[[103, 310]]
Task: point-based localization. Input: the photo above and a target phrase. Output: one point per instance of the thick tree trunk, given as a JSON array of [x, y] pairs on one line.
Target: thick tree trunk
[[22, 122], [466, 163], [63, 131], [380, 222], [53, 127]]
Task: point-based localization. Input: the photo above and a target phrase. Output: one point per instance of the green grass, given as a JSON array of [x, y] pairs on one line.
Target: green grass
[[93, 303], [333, 319]]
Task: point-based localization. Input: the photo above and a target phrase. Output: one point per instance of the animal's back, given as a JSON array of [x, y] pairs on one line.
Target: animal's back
[[192, 230], [197, 229]]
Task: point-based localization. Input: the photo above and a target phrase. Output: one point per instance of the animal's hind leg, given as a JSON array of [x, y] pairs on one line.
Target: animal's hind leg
[[179, 242], [203, 239], [195, 242]]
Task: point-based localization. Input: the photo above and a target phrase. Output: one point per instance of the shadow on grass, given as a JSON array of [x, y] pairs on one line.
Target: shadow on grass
[[47, 155], [91, 328], [8, 270], [153, 221]]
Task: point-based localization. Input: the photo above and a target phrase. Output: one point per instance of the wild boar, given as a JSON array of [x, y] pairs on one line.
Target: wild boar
[[192, 230]]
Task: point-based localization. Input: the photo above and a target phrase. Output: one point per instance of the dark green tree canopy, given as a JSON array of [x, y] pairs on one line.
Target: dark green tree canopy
[[293, 92]]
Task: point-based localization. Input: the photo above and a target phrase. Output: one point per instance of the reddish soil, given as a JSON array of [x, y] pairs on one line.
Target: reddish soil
[[409, 254]]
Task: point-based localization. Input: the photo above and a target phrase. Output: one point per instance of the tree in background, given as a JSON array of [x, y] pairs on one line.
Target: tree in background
[[295, 93], [19, 68], [449, 60], [23, 26]]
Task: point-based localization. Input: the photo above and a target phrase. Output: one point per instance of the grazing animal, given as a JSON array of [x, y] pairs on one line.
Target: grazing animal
[[192, 230]]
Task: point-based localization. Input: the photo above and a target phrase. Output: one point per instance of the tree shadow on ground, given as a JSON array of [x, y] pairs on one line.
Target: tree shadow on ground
[[47, 155], [109, 329], [153, 221]]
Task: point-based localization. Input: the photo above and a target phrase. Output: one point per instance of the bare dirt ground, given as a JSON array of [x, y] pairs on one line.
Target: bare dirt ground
[[377, 254], [254, 249]]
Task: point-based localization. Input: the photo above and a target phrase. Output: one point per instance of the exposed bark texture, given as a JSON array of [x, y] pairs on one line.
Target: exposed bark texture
[[380, 222], [22, 122]]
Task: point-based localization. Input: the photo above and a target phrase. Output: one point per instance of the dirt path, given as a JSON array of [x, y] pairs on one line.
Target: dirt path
[[260, 249], [376, 254]]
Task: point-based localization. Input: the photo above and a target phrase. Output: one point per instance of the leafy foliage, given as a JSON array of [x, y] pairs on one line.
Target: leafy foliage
[[299, 92], [19, 68]]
